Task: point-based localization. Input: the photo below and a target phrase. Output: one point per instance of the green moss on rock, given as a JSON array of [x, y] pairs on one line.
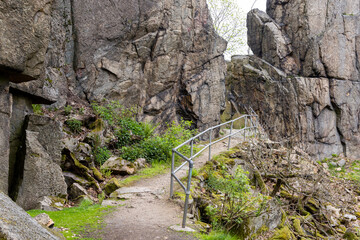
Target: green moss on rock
[[97, 174], [283, 234], [297, 227], [111, 186]]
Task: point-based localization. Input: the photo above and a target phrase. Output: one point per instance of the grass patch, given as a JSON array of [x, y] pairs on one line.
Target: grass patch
[[155, 169], [354, 172], [78, 221], [216, 235]]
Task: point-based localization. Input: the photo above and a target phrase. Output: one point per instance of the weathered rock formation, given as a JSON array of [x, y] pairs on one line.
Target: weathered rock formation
[[38, 168], [318, 42], [162, 56], [15, 223]]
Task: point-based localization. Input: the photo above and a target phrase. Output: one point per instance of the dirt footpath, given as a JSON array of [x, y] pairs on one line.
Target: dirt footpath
[[147, 213]]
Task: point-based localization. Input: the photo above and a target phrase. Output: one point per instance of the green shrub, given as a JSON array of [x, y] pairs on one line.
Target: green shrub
[[157, 148], [113, 111], [102, 154], [68, 109], [238, 202], [129, 132], [37, 109], [74, 125], [132, 153], [136, 139]]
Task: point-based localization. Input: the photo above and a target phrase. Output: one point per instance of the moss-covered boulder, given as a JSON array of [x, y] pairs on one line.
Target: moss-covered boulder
[[111, 186]]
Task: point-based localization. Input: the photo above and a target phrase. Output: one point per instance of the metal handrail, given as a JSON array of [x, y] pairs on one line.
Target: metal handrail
[[254, 124]]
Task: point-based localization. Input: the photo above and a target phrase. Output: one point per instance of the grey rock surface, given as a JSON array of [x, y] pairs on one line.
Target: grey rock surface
[[163, 57], [50, 134], [297, 109], [268, 42], [25, 30], [117, 165], [324, 35], [41, 177], [16, 224], [5, 113], [44, 220], [317, 41]]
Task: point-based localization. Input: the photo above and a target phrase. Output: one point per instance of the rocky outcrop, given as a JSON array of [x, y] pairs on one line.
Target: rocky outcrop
[[324, 35], [5, 113], [41, 175], [308, 88], [165, 58], [297, 109], [25, 31], [15, 223]]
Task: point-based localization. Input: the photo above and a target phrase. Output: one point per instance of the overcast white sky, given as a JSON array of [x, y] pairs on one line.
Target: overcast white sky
[[246, 4]]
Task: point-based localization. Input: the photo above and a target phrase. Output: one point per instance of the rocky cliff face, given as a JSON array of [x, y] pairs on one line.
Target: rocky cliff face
[[310, 90], [159, 55], [162, 56]]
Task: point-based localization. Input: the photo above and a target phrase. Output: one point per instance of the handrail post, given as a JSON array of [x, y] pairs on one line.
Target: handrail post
[[172, 172], [191, 165], [231, 127], [244, 132], [192, 148], [211, 130]]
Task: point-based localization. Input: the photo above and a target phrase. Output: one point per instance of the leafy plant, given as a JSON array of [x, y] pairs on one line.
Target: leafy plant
[[106, 172], [229, 22], [237, 202], [68, 109], [113, 111], [37, 109], [81, 111], [158, 148], [102, 154], [74, 125]]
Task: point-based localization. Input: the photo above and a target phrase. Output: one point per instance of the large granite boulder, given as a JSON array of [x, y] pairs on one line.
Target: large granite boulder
[[16, 224], [41, 175]]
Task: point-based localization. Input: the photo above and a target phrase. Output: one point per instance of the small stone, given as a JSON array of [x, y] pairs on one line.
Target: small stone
[[350, 217], [44, 220], [140, 163], [333, 210], [334, 164], [338, 169], [341, 163], [325, 165]]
